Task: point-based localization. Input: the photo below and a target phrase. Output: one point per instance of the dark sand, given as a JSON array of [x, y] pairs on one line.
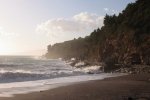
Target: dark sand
[[129, 87]]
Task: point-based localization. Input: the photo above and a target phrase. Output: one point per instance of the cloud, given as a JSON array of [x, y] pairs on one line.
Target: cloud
[[61, 29], [4, 33], [106, 9], [110, 11], [115, 12]]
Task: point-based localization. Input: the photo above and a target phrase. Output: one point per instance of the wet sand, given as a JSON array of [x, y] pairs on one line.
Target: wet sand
[[129, 87]]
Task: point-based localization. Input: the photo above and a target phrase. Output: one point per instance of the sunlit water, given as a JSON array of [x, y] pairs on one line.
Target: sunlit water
[[28, 74], [14, 69]]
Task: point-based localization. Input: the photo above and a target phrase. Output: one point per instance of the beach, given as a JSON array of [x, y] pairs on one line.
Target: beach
[[75, 50], [127, 87]]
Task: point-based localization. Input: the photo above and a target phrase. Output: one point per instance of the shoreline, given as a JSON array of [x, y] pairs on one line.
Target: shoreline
[[11, 89], [114, 88]]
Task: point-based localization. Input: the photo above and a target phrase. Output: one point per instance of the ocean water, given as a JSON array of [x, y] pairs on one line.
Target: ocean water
[[24, 74], [23, 68]]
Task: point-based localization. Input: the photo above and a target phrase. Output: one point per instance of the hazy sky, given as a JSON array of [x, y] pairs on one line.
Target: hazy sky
[[28, 26]]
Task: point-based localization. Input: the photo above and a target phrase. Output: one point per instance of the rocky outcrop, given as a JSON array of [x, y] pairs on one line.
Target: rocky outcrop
[[124, 40], [134, 69]]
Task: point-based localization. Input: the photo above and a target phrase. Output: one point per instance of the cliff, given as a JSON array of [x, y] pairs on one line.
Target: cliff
[[123, 40]]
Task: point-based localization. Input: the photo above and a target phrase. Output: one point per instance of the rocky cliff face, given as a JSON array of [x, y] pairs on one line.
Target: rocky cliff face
[[124, 50], [123, 40]]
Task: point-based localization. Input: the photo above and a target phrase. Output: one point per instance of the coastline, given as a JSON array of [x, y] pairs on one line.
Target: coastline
[[10, 89], [115, 88]]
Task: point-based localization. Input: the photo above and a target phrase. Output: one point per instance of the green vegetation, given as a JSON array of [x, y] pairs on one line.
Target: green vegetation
[[124, 39]]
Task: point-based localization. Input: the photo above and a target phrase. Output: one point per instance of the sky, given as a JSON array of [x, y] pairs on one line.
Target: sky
[[28, 26]]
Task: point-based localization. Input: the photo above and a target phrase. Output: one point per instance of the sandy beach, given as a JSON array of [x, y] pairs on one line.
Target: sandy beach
[[128, 87]]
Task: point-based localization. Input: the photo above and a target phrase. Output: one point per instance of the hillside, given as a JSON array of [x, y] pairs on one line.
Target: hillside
[[124, 39]]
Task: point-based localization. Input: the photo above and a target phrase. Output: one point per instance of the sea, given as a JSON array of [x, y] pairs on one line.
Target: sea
[[25, 74]]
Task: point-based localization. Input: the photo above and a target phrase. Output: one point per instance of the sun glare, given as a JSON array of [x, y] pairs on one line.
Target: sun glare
[[6, 48]]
